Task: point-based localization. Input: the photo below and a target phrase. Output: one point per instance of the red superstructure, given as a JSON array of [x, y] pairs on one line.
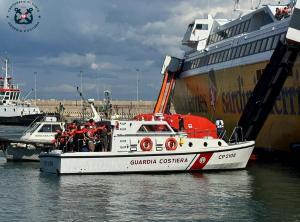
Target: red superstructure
[[194, 126]]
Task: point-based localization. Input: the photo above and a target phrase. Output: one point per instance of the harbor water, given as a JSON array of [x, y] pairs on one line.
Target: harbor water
[[261, 192]]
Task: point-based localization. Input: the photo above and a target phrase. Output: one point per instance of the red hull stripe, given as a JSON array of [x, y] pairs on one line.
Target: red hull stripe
[[201, 161]]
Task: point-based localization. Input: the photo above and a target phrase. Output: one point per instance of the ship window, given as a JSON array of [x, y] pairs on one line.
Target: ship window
[[217, 57], [212, 38], [229, 54], [242, 51], [275, 42], [237, 54], [1, 95], [242, 27], [247, 23], [234, 30], [225, 55], [238, 27], [253, 44], [209, 60], [56, 127], [202, 26], [282, 37], [154, 128], [192, 66], [263, 45], [205, 60], [46, 128], [213, 58], [222, 56], [233, 53], [269, 44], [201, 61], [247, 50], [195, 63], [257, 48]]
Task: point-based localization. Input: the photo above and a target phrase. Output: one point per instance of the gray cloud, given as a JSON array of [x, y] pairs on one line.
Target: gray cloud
[[108, 40]]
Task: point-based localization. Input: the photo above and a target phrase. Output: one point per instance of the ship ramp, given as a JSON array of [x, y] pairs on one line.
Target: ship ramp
[[271, 81], [170, 69]]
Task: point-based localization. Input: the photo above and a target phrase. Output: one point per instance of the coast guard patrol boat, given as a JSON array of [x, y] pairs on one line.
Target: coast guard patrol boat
[[154, 143]]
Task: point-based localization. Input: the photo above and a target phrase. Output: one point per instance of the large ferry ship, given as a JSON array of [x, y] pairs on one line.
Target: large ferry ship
[[224, 61]]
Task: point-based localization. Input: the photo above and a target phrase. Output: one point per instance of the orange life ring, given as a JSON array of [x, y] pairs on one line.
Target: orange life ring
[[146, 144], [171, 144]]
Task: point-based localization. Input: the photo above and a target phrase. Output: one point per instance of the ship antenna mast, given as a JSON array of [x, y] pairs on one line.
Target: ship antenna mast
[[5, 84]]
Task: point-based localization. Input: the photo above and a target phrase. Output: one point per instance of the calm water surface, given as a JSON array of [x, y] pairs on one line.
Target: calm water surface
[[262, 192]]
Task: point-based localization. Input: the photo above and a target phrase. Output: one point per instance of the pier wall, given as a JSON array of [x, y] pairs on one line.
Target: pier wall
[[73, 108]]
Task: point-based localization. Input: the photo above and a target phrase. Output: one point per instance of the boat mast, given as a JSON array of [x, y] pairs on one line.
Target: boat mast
[[5, 84]]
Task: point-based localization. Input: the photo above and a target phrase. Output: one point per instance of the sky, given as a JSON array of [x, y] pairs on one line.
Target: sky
[[110, 41]]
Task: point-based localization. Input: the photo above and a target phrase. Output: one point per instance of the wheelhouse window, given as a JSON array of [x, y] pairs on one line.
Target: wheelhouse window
[[154, 128], [47, 128], [202, 26], [56, 127]]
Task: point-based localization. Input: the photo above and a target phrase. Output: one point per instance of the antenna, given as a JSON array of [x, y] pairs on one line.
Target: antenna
[[5, 84], [35, 75]]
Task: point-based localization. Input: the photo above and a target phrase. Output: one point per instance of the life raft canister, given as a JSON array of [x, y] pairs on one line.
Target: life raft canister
[[171, 144], [146, 144]]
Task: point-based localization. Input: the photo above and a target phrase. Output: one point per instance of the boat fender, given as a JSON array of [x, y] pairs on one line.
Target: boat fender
[[171, 144], [146, 144]]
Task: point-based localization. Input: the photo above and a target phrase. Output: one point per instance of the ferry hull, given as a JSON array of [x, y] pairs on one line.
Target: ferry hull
[[96, 163], [223, 94]]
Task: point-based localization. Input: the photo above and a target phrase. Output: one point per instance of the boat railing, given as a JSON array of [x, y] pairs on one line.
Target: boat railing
[[29, 128], [237, 135]]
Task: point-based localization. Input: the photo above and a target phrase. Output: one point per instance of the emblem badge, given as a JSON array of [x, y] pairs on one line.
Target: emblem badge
[[23, 16]]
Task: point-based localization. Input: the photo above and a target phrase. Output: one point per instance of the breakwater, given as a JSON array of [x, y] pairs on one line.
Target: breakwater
[[74, 108]]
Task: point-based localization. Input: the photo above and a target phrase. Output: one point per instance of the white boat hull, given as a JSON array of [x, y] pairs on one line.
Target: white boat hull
[[232, 157]]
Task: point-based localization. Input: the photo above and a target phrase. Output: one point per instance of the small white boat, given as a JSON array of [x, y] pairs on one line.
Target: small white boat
[[154, 146], [37, 138], [43, 131]]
